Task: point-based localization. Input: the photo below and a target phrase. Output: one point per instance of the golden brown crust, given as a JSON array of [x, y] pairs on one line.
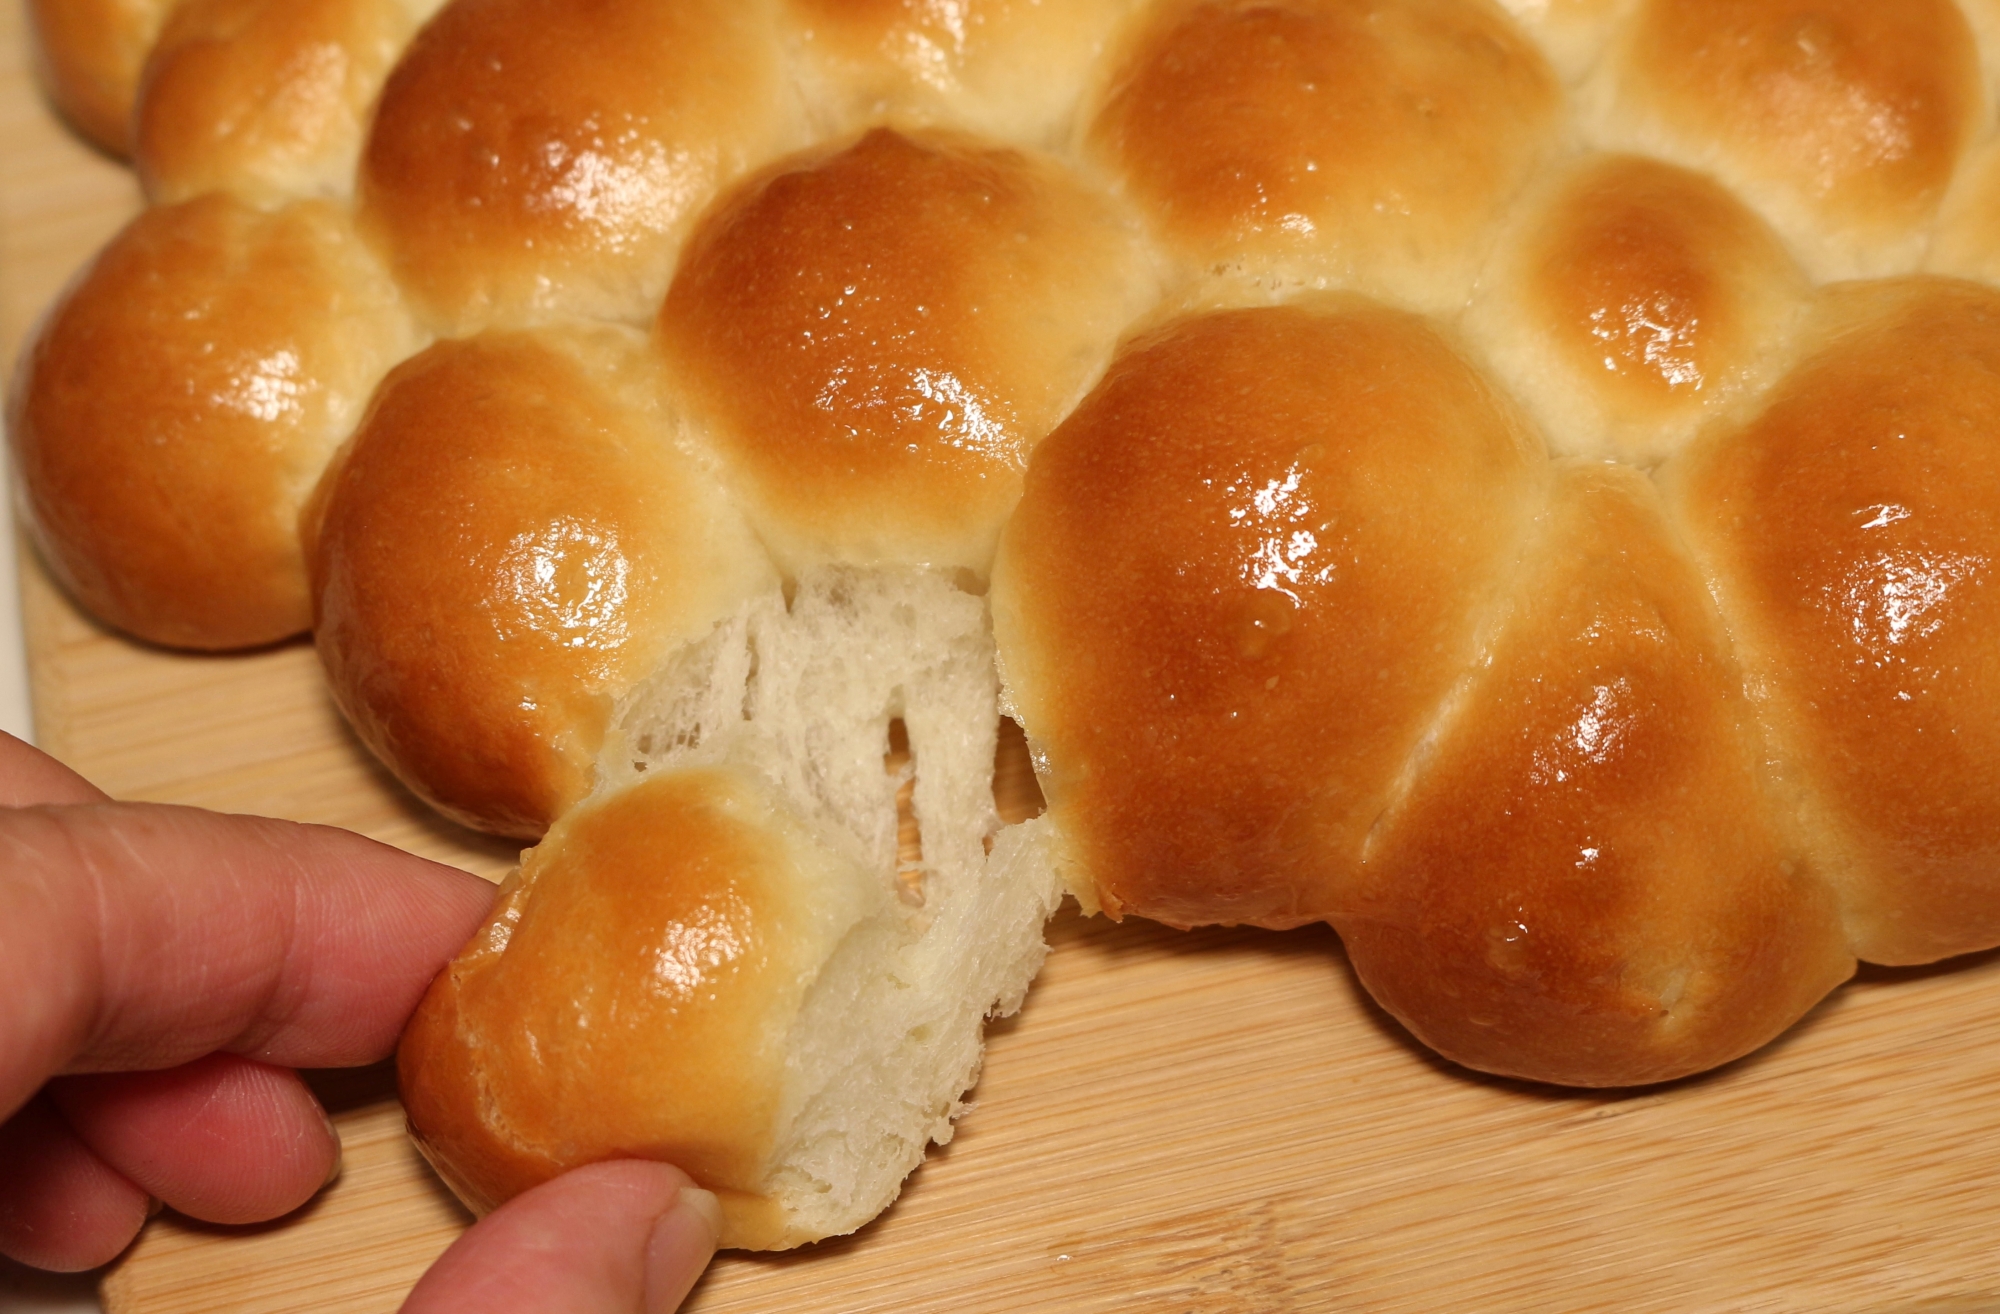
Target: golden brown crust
[[544, 157], [1841, 119], [438, 1080], [90, 53], [1634, 300], [1853, 529], [628, 998], [1334, 142], [176, 408], [876, 338], [263, 97], [508, 542], [1242, 576], [1587, 882]]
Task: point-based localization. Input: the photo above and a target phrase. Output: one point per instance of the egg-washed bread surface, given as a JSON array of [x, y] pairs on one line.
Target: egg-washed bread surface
[[1516, 481]]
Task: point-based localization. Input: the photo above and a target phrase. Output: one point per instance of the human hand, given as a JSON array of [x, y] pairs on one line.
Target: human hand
[[165, 968]]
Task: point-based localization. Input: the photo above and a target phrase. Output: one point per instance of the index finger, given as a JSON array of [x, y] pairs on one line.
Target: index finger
[[144, 936]]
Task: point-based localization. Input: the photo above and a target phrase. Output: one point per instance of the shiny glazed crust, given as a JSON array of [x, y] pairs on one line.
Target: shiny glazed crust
[[974, 294], [527, 470], [1515, 479], [178, 406], [1236, 467], [679, 1056]]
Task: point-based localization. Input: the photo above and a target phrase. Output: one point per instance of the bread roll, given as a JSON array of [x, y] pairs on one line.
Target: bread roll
[[1633, 302], [1585, 878], [1177, 597], [540, 157], [1840, 120], [875, 340], [180, 402], [1849, 531], [721, 959], [535, 473], [1330, 143], [694, 918], [265, 98], [89, 54]]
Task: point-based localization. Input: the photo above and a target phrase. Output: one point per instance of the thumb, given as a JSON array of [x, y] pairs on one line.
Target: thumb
[[612, 1238]]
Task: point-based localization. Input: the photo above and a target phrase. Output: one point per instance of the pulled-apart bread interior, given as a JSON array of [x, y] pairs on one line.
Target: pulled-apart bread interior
[[1518, 480]]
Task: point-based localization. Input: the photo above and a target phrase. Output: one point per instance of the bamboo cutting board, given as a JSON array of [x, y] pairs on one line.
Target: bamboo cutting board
[[1199, 1123]]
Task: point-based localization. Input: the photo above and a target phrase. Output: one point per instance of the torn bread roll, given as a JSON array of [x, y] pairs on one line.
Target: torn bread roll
[[721, 958]]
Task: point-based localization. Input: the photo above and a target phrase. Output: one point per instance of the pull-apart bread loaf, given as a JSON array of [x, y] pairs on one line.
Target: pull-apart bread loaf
[[1517, 481]]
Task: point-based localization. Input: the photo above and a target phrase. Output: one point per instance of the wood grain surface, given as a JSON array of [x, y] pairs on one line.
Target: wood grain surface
[[1210, 1122]]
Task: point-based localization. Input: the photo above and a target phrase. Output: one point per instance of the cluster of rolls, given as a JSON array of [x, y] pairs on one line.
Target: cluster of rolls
[[1519, 481]]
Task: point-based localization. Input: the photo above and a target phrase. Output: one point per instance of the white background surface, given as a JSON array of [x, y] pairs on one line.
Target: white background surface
[[16, 714]]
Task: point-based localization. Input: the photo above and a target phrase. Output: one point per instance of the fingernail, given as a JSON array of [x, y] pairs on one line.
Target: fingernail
[[339, 1162], [707, 1207], [154, 1205], [339, 1149], [682, 1243]]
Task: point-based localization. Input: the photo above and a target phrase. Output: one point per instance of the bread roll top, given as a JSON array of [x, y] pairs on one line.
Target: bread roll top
[[179, 403], [1331, 143], [532, 158], [509, 541], [631, 996], [1588, 881], [265, 98], [1632, 301], [1242, 577], [89, 54], [1841, 120], [1852, 530], [875, 338], [1011, 68]]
